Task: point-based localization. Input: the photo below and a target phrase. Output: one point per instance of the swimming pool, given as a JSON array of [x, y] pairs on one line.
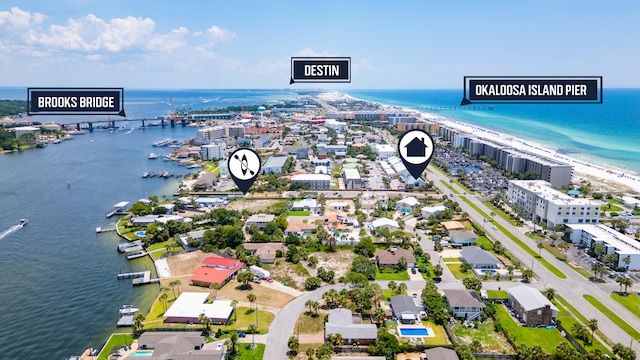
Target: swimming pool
[[490, 271], [140, 233], [414, 332], [141, 353]]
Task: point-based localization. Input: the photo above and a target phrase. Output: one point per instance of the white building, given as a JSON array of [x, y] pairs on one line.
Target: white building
[[212, 133], [407, 205], [21, 130], [352, 179], [338, 205], [315, 181], [189, 305], [305, 204], [431, 210], [213, 151], [259, 220], [398, 166], [537, 200], [615, 242], [385, 151], [392, 225], [335, 124], [274, 165]]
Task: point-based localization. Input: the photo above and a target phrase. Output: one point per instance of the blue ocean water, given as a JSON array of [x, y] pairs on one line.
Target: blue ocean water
[[604, 133]]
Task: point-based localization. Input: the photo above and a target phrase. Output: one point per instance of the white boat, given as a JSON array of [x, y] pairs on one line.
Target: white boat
[[194, 166], [153, 155], [23, 222], [128, 310], [146, 174]]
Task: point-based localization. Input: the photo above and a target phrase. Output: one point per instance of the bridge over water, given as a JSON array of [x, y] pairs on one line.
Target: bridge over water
[[111, 123]]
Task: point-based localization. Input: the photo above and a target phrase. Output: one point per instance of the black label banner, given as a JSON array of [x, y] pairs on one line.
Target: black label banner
[[76, 101], [320, 69]]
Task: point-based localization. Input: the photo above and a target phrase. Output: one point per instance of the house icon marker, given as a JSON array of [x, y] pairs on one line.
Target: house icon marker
[[416, 148]]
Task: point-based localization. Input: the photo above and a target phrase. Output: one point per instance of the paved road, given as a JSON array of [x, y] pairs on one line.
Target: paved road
[[282, 326], [571, 288]]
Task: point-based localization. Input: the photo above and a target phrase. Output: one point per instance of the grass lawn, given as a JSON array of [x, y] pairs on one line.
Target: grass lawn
[[516, 240], [548, 339], [631, 302], [535, 236], [568, 319], [400, 275], [299, 213], [484, 243], [583, 272], [441, 337], [246, 353], [611, 206], [491, 341], [580, 317], [452, 260], [158, 249], [387, 294], [613, 317], [245, 316], [310, 323], [455, 270], [497, 294], [501, 213], [114, 341]]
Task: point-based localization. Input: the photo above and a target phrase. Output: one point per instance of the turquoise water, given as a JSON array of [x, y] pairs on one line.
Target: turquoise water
[[606, 133], [141, 354], [414, 332]]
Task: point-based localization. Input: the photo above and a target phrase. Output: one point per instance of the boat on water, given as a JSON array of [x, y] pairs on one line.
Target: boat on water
[[128, 310], [194, 166], [163, 142], [153, 155], [23, 222], [144, 175]]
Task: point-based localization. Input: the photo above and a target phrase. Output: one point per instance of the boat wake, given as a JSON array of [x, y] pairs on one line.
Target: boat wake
[[10, 230]]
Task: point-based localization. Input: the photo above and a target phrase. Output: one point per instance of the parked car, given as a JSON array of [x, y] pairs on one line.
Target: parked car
[[269, 280], [413, 270], [256, 280], [242, 334]]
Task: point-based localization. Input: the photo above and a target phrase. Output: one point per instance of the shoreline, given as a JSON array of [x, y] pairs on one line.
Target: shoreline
[[610, 178]]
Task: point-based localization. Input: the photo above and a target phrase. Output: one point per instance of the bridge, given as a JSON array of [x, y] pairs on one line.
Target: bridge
[[109, 123], [467, 107]]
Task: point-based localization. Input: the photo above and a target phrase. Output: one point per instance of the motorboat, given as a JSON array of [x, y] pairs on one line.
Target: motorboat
[[23, 222], [128, 310], [153, 155]]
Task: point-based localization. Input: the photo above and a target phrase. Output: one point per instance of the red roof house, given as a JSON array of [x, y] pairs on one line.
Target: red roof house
[[216, 270]]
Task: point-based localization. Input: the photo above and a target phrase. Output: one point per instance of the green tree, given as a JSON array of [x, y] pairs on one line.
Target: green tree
[[245, 277], [379, 316], [549, 293], [540, 247], [385, 345], [623, 352], [163, 298], [234, 303], [527, 275], [206, 323], [365, 247], [215, 286], [592, 324], [138, 324], [293, 345], [335, 339], [233, 339], [363, 265], [312, 283], [253, 329], [140, 209], [437, 271], [252, 299], [472, 283], [174, 284], [324, 351], [465, 267]]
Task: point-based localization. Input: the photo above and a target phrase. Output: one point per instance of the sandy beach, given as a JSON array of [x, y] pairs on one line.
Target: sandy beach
[[603, 178]]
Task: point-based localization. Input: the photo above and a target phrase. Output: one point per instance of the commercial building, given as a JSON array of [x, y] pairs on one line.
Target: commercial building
[[274, 165], [212, 133], [313, 181], [352, 179], [537, 200], [189, 305], [213, 151], [615, 243], [21, 130], [384, 151], [430, 128]]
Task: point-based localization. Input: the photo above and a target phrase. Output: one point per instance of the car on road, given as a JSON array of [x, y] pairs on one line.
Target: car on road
[[413, 270], [269, 280], [242, 334], [495, 228]]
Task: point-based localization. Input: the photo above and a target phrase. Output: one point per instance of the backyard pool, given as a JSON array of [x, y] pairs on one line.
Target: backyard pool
[[140, 233], [141, 353], [414, 331], [490, 271]]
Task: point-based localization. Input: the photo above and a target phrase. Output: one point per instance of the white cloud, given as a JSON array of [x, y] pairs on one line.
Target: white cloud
[[215, 35], [92, 34], [309, 52], [19, 19], [170, 41]]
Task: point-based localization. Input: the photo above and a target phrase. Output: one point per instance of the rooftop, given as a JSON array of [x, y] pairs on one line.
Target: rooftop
[[530, 298], [192, 304]]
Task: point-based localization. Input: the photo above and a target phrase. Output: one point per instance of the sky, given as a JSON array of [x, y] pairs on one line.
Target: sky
[[248, 44]]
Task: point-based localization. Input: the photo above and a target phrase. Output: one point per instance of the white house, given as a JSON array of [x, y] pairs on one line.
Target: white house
[[392, 225], [432, 210], [407, 205]]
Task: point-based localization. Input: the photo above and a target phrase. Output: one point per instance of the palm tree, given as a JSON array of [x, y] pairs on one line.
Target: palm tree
[[310, 352], [244, 277], [593, 325], [437, 270], [206, 323], [138, 324], [563, 247], [540, 247], [293, 345], [527, 275], [253, 329], [550, 293], [234, 340], [163, 297], [377, 291], [402, 288], [335, 339], [234, 303], [627, 282], [580, 331], [309, 304], [173, 285], [600, 249], [252, 298], [627, 260], [379, 316], [215, 286], [392, 285], [492, 214], [619, 280], [315, 306]]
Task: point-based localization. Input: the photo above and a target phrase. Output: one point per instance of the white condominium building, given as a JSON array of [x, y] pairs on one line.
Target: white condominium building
[[615, 243], [537, 200]]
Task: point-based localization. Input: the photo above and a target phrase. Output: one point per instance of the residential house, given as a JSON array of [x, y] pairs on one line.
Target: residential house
[[196, 235], [350, 326], [405, 308], [441, 353], [391, 258], [427, 211], [177, 345], [377, 224], [215, 270], [267, 252], [338, 205], [531, 307], [259, 220], [452, 225], [299, 227], [479, 259], [464, 303], [306, 204], [462, 237], [407, 205]]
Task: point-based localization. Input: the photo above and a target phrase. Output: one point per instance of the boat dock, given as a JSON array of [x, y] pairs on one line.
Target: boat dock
[[125, 321], [118, 209], [130, 246], [140, 278], [105, 229]]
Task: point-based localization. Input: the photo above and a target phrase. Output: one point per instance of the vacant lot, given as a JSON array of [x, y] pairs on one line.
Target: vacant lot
[[491, 341], [184, 264], [251, 204]]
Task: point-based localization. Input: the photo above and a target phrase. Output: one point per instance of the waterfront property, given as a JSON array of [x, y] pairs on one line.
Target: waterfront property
[[175, 345], [531, 307], [190, 305], [350, 326], [215, 270]]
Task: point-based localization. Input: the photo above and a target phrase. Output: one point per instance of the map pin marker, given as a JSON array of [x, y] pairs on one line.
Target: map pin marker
[[416, 149], [244, 167]]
